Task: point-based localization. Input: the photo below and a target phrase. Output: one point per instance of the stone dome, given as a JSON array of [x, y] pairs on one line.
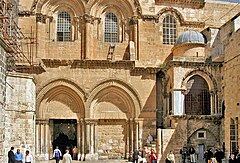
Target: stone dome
[[190, 36]]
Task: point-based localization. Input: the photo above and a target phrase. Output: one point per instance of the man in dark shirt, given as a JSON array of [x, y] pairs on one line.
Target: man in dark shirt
[[11, 158]]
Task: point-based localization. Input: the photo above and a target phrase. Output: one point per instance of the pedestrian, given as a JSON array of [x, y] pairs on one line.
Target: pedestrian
[[183, 152], [192, 155], [153, 156], [171, 157], [18, 156], [28, 157], [209, 155], [11, 158], [75, 152], [67, 158], [135, 156], [57, 154]]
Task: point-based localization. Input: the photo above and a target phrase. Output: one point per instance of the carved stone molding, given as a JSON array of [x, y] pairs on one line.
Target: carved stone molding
[[41, 18], [24, 13], [34, 5], [196, 4], [133, 20], [89, 19], [154, 18]]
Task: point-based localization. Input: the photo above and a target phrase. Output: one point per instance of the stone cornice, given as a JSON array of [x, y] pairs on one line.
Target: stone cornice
[[196, 4], [187, 64], [24, 13]]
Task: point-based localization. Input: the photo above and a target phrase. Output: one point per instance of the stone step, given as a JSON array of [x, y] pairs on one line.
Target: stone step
[[98, 161]]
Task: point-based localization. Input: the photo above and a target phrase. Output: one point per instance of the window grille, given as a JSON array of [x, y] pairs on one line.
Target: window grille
[[234, 135], [64, 27], [197, 97], [169, 30], [111, 28]]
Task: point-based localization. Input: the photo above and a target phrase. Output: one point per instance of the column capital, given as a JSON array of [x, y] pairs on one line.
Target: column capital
[[42, 121], [91, 121]]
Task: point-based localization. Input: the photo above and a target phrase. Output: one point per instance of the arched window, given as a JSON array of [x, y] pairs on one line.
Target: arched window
[[64, 27], [169, 30], [111, 28], [197, 97]]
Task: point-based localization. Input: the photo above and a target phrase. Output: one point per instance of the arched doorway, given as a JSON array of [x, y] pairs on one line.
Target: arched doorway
[[117, 128], [59, 114]]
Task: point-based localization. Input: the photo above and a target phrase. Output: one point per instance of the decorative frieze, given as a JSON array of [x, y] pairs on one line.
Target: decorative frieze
[[89, 19], [41, 18]]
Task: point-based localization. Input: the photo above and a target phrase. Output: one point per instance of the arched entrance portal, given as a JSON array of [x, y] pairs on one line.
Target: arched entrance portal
[[117, 128], [59, 116]]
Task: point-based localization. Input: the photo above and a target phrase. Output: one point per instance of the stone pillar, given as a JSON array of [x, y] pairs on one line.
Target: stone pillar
[[127, 140], [83, 131], [136, 134], [140, 134], [88, 20], [47, 140], [212, 102], [37, 138], [131, 134], [134, 24], [159, 142], [92, 142], [79, 137], [42, 142], [87, 137]]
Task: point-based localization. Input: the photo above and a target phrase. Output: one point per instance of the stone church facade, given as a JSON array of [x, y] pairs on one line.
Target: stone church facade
[[103, 75]]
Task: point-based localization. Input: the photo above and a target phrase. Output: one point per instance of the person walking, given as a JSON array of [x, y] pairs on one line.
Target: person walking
[[171, 157], [11, 158], [75, 152], [18, 156], [67, 158], [135, 156], [192, 155], [28, 157], [57, 154]]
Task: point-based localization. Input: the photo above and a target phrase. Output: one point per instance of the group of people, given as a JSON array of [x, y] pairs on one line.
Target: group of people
[[57, 154], [234, 157], [143, 156], [18, 156]]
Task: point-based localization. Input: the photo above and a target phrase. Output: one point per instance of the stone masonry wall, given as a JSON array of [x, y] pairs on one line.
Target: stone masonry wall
[[20, 113], [2, 99]]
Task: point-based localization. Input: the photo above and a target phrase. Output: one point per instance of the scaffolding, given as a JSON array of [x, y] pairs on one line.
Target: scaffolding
[[20, 53]]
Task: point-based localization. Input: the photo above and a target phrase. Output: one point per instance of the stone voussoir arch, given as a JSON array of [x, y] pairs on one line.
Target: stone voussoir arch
[[212, 84], [54, 83], [173, 11], [119, 84], [203, 128], [75, 5], [128, 7]]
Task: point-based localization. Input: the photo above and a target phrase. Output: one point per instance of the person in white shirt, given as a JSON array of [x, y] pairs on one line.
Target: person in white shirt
[[29, 158], [67, 158]]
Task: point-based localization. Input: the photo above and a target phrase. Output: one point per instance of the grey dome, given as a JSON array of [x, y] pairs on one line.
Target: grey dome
[[190, 37]]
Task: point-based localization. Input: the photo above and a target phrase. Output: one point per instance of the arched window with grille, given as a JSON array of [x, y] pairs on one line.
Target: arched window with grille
[[169, 30], [197, 97], [64, 26], [111, 28]]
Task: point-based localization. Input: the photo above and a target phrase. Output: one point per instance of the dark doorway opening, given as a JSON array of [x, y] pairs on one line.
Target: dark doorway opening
[[64, 134]]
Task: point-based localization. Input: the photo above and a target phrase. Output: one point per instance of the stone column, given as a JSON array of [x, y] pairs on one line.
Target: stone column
[[212, 98], [127, 140], [136, 133], [42, 144], [159, 142], [47, 139], [178, 105], [134, 24], [88, 20], [131, 134], [92, 142], [140, 134], [37, 138], [87, 137], [79, 137], [83, 139]]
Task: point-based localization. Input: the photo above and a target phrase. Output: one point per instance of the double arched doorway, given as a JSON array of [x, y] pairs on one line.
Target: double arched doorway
[[103, 124]]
